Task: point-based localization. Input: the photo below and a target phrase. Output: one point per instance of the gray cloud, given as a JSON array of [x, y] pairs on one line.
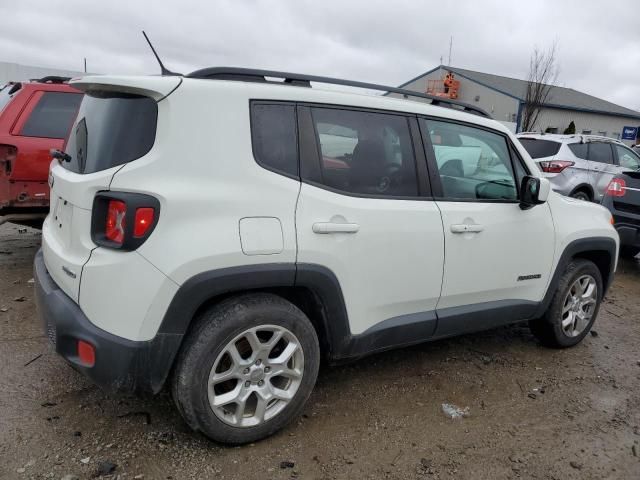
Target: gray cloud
[[369, 40]]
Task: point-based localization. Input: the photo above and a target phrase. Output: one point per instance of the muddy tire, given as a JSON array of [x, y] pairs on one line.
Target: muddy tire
[[246, 369], [574, 306]]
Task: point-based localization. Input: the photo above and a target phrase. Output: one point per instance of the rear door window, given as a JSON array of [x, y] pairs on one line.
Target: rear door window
[[52, 116], [600, 152], [540, 148], [366, 153], [111, 129]]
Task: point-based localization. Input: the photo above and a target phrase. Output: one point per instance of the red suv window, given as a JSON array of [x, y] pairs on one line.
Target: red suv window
[[53, 116]]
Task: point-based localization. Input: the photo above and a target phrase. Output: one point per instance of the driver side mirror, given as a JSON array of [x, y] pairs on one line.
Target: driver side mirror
[[533, 191]]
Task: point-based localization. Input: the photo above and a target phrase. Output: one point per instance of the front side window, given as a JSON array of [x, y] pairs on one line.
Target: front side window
[[53, 115], [627, 158], [365, 153], [274, 137], [473, 164], [600, 152]]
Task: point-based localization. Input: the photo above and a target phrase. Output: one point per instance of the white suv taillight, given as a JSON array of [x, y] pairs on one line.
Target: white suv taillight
[[122, 220], [555, 166], [616, 188]]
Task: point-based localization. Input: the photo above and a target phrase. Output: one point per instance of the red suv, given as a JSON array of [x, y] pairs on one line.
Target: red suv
[[35, 116]]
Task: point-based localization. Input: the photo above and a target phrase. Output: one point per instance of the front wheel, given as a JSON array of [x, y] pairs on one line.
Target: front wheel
[[246, 369], [574, 306]]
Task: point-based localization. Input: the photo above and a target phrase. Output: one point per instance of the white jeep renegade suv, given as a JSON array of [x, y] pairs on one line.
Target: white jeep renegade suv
[[221, 232]]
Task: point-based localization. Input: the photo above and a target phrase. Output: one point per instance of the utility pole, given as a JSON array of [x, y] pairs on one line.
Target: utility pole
[[450, 46], [85, 64]]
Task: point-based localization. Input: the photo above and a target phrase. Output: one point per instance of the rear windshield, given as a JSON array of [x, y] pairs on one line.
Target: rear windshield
[[111, 129], [540, 148]]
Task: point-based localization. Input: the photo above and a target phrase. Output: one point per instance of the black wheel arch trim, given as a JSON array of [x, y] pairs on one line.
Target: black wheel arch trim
[[577, 248]]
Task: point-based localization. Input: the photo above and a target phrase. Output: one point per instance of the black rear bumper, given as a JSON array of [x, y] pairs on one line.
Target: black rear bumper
[[629, 234], [120, 364]]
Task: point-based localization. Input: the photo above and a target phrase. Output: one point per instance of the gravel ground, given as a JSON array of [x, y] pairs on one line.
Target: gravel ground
[[532, 412]]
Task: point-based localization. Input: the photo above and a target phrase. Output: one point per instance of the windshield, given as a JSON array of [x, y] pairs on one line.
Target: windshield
[[111, 129]]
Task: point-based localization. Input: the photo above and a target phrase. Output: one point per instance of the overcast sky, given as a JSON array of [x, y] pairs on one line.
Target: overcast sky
[[370, 40]]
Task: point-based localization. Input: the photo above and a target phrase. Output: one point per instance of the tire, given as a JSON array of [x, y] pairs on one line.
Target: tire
[[549, 329], [234, 337], [629, 252], [581, 195]]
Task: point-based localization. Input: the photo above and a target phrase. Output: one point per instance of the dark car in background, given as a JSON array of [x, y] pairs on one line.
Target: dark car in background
[[622, 198], [35, 116]]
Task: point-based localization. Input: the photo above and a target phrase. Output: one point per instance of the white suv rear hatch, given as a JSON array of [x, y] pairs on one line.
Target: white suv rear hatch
[[116, 124]]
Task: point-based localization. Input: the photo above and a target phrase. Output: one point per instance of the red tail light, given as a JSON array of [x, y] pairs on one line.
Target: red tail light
[[116, 221], [8, 154], [616, 188], [123, 220], [143, 221], [555, 166]]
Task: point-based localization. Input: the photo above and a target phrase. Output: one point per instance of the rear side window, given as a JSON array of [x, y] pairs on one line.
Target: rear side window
[[274, 137], [365, 153], [53, 115], [111, 129], [540, 148], [580, 150], [600, 152]]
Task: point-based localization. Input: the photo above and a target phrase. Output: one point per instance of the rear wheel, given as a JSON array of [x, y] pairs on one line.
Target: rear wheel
[[581, 195], [246, 369], [574, 306]]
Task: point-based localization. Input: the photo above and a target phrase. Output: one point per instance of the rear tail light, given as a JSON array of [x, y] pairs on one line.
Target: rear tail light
[[555, 166], [8, 155], [616, 188], [122, 220]]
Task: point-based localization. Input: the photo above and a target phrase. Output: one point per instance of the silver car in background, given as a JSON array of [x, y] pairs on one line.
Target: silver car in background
[[579, 166]]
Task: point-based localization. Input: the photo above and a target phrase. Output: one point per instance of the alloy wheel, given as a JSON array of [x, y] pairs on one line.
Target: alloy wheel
[[255, 376], [579, 305]]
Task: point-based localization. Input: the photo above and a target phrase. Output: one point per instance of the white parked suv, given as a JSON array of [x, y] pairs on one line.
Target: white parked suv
[[221, 232]]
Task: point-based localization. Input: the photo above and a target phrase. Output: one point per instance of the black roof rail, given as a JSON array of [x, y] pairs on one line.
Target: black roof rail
[[51, 79], [252, 75]]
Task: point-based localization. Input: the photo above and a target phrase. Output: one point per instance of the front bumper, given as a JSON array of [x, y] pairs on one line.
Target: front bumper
[[120, 364]]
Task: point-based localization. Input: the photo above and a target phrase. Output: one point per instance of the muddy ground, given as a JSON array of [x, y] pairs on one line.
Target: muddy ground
[[533, 412]]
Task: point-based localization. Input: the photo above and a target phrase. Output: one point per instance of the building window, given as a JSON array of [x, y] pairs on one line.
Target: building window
[[586, 132], [551, 130], [616, 135], [602, 134]]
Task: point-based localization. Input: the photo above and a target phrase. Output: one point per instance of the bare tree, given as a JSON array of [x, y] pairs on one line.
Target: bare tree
[[543, 72]]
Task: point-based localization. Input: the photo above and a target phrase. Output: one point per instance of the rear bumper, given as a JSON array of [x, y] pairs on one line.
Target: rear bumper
[[120, 364], [629, 235]]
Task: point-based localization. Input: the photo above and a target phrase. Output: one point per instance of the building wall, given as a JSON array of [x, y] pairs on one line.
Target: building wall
[[14, 72], [500, 106], [599, 124]]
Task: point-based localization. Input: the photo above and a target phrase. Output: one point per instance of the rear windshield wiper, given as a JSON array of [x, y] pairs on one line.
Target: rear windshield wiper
[[60, 155]]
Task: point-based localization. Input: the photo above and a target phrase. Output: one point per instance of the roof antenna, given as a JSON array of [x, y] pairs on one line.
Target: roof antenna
[[163, 70]]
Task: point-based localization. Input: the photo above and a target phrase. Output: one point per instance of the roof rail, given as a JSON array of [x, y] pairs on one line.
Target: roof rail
[[252, 75], [51, 79]]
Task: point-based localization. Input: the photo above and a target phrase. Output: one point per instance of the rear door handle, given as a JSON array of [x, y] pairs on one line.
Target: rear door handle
[[464, 228], [332, 227]]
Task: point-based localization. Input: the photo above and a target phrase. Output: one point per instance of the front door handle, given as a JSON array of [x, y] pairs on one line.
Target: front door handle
[[464, 228], [332, 227]]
